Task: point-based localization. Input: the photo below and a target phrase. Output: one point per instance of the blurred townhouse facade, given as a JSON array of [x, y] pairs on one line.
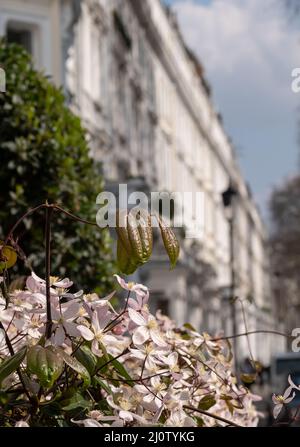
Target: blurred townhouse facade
[[143, 97]]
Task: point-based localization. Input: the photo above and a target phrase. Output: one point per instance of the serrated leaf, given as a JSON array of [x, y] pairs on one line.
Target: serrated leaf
[[73, 363], [12, 364]]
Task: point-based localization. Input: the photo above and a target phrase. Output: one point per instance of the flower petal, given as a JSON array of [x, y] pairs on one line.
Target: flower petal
[[156, 337], [136, 317], [287, 392], [126, 415], [37, 278], [277, 409], [289, 399], [71, 329], [121, 282], [59, 336], [86, 333], [64, 283], [70, 310], [140, 335]]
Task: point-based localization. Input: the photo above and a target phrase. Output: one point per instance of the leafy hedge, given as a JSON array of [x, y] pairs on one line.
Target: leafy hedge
[[44, 156]]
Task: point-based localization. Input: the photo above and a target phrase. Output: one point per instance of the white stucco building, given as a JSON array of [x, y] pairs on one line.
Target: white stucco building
[[151, 121]]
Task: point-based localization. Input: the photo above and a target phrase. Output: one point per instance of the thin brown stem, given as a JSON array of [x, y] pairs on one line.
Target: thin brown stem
[[116, 321], [246, 329], [49, 211], [12, 352], [73, 217], [19, 221], [112, 360], [282, 334], [211, 415]]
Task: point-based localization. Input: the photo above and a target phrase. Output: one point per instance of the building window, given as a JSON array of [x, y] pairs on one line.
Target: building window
[[22, 34], [34, 32]]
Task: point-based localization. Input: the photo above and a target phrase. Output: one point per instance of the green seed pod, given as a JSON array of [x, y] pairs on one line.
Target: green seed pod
[[170, 242], [135, 238], [46, 363], [125, 261], [146, 235], [122, 231]]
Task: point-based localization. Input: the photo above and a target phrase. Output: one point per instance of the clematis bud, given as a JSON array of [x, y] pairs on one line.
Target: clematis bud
[[146, 235], [135, 240], [170, 242], [125, 259], [46, 363]]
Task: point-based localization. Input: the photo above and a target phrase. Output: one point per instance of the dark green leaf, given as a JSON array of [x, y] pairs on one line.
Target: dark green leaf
[[76, 401], [76, 366], [103, 385], [121, 370], [85, 356], [12, 364], [207, 402]]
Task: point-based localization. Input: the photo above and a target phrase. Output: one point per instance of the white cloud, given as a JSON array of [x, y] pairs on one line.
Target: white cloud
[[249, 49]]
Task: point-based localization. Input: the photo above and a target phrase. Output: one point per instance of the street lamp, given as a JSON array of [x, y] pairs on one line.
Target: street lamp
[[228, 199]]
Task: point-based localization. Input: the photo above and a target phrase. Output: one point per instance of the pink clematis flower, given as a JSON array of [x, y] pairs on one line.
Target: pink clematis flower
[[280, 401], [92, 300], [172, 364], [147, 329], [180, 419], [153, 393], [64, 324], [98, 419], [140, 290], [100, 318], [34, 283]]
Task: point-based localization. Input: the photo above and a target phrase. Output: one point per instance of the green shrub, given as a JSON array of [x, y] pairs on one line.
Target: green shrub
[[44, 156]]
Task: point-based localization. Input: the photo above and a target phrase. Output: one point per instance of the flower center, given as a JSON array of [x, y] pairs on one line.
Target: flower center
[[149, 348], [159, 387], [99, 336], [53, 279], [152, 324], [124, 404]]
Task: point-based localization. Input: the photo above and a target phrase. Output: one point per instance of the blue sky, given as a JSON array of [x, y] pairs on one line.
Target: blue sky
[[248, 49]]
